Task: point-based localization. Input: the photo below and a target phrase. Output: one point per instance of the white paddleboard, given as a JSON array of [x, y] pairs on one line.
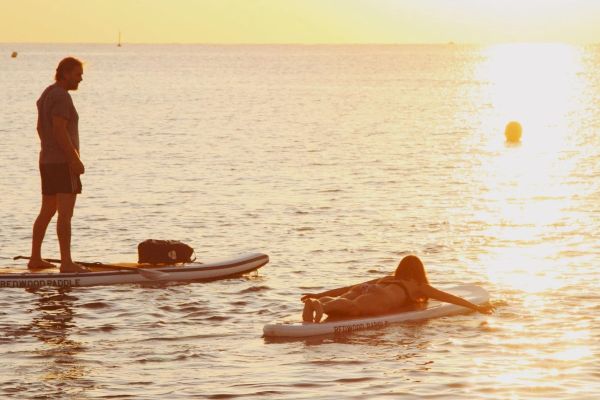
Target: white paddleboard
[[207, 271], [434, 309]]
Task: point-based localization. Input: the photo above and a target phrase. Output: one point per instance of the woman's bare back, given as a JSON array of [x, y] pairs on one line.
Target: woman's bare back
[[381, 298]]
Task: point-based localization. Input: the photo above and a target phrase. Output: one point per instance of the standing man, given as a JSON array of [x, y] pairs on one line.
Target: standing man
[[60, 164]]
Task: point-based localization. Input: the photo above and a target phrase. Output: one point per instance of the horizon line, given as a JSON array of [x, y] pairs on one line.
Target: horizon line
[[317, 44]]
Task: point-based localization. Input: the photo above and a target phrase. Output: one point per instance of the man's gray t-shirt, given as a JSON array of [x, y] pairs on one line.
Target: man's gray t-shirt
[[55, 101]]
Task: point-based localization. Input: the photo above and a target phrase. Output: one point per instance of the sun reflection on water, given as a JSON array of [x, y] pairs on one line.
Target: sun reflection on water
[[527, 190], [528, 202], [572, 354], [538, 85]]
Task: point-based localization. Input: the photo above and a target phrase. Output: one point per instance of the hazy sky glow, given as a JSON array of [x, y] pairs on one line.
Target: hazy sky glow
[[300, 21]]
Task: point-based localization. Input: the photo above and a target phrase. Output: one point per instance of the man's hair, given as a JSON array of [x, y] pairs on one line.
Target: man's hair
[[66, 65]]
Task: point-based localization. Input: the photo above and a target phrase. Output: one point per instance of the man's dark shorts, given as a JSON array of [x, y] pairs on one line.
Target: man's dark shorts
[[58, 178]]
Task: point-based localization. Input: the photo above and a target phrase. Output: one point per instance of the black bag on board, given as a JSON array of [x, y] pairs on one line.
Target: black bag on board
[[154, 251]]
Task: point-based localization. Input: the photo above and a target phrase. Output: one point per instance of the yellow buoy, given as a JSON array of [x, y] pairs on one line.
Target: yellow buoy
[[513, 132]]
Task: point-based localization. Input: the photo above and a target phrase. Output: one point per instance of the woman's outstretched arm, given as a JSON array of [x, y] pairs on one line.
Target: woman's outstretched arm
[[440, 295]]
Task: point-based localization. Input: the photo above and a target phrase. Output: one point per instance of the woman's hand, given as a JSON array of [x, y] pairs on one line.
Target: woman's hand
[[486, 308]]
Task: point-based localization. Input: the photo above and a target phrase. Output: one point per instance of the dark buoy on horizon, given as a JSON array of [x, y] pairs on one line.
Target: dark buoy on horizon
[[513, 132], [14, 54]]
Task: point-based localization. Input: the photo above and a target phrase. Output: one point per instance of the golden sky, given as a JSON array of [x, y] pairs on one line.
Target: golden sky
[[300, 21]]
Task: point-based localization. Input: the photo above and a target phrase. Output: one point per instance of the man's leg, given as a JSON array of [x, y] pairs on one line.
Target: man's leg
[[39, 231], [65, 204]]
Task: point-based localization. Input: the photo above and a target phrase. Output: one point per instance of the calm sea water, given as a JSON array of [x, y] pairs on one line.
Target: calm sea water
[[336, 161]]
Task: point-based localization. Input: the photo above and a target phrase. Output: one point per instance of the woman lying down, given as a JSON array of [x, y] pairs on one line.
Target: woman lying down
[[408, 287]]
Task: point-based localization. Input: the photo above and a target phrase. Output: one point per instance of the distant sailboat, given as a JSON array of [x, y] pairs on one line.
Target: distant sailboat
[[119, 44]]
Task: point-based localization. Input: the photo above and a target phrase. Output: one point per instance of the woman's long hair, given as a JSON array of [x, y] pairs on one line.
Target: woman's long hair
[[411, 268]]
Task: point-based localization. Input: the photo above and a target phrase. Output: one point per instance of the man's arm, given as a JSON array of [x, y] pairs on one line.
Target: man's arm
[[59, 128]]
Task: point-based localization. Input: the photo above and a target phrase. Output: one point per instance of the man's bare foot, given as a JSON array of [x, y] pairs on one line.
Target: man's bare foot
[[39, 264], [73, 267]]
